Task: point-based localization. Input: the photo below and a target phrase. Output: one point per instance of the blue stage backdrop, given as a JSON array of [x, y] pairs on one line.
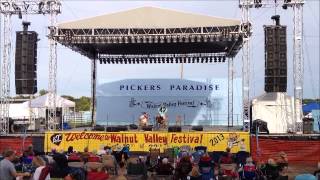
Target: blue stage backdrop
[[196, 101]]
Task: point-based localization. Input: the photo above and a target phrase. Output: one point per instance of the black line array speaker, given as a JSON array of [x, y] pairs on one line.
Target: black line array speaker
[[275, 57], [174, 129], [26, 61]]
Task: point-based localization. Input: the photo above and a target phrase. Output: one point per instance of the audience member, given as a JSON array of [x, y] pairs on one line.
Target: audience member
[[39, 163], [7, 169], [227, 157], [164, 167], [183, 168]]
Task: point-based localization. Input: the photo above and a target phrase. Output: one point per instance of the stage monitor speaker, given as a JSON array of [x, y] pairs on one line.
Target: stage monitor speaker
[[147, 128], [122, 128], [275, 57], [307, 125], [197, 128], [262, 125], [98, 128], [26, 61], [112, 129], [174, 129], [133, 126]]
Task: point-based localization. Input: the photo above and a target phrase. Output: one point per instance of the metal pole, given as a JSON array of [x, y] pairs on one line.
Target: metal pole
[[230, 91], [93, 90]]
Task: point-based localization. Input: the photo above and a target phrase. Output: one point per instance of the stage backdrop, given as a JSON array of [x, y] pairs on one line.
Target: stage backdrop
[[196, 101], [143, 141]]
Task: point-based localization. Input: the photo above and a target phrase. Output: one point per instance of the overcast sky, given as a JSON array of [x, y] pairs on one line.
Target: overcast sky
[[74, 69]]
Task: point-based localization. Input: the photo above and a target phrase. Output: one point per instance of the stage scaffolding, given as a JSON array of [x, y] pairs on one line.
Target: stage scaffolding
[[198, 43]]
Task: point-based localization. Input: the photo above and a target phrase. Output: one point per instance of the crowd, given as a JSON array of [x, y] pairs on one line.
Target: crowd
[[120, 164]]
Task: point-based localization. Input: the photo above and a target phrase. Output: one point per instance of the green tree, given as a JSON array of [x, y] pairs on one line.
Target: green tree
[[43, 92], [83, 103], [71, 98]]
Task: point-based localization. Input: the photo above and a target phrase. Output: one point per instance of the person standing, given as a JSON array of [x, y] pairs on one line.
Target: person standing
[[7, 170]]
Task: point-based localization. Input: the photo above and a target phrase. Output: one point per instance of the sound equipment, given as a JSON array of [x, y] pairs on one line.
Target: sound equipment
[[307, 125], [98, 128], [26, 61], [262, 125], [275, 57], [174, 129], [133, 126], [197, 128], [147, 128], [122, 128], [112, 129]]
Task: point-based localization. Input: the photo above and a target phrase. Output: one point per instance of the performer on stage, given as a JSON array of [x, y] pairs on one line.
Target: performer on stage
[[144, 119]]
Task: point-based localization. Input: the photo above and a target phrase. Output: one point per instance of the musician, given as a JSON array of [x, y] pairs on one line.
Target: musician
[[161, 120], [144, 119]]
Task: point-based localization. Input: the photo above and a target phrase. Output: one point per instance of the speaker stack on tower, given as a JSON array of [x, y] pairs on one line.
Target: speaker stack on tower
[[275, 57], [26, 61]]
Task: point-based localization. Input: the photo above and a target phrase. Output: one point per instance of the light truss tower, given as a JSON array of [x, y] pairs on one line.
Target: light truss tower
[[5, 74], [52, 86], [245, 6], [297, 6], [7, 9]]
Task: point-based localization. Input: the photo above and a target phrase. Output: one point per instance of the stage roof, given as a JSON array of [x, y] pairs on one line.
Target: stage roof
[[149, 17], [147, 33]]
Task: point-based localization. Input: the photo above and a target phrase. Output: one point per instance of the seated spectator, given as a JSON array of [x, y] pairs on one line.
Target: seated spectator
[[206, 166], [305, 177], [70, 150], [96, 172], [283, 173], [122, 171], [270, 170], [60, 167], [248, 171], [317, 172], [136, 167], [227, 157], [7, 169], [195, 173], [164, 167], [282, 159], [85, 154], [29, 151], [183, 168], [109, 161], [39, 163]]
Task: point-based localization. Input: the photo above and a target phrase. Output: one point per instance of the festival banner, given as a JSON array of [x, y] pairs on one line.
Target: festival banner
[[143, 141]]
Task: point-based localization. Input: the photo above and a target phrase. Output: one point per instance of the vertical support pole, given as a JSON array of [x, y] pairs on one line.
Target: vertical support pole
[[52, 87], [93, 89], [5, 75], [298, 63], [230, 92], [245, 5]]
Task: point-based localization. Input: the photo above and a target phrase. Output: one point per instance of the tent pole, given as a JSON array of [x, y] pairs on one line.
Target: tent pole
[[93, 89]]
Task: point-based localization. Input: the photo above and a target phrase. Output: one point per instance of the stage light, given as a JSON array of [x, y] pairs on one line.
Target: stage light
[[138, 39], [174, 39], [171, 60], [129, 60], [155, 39], [154, 60], [219, 59], [168, 38], [185, 60], [144, 39], [192, 38], [205, 38], [112, 60], [159, 60], [161, 39], [223, 59], [126, 40], [198, 38], [125, 61], [133, 40], [212, 38], [177, 59], [150, 39], [120, 40], [209, 60], [186, 39], [194, 60], [180, 39], [215, 59], [100, 60]]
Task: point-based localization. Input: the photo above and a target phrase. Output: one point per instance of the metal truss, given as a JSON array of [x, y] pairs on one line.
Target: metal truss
[[162, 58], [245, 6], [52, 86], [230, 91], [297, 6], [19, 7], [5, 75]]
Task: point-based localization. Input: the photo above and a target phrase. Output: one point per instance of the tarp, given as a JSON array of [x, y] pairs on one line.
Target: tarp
[[276, 109], [311, 106], [149, 17], [43, 102]]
